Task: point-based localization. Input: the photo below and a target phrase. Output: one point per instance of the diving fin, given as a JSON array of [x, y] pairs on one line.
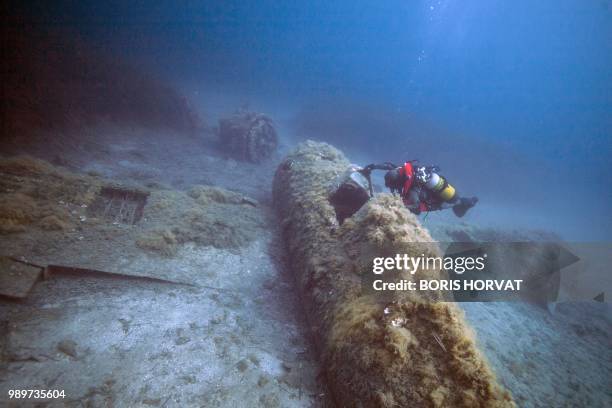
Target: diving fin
[[464, 205]]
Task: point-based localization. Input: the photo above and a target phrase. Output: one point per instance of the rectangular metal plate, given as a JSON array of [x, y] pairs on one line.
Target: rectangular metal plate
[[16, 278]]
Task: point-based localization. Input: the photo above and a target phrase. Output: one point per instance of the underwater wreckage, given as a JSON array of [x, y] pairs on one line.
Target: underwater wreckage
[[410, 350]]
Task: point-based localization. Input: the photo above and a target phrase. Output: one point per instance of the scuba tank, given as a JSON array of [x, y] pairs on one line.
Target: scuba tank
[[435, 183]]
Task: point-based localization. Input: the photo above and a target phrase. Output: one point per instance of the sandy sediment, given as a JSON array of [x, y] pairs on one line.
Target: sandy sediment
[[407, 350]]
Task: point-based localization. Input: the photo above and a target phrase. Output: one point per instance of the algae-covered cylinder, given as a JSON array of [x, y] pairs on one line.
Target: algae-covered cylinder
[[406, 349]]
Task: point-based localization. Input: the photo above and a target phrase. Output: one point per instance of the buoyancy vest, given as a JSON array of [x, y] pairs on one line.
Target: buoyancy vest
[[407, 171]]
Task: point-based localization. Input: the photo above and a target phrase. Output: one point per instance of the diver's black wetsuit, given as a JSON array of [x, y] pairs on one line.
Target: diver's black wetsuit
[[410, 182]]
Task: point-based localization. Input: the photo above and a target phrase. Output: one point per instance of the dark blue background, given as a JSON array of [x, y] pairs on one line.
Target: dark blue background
[[520, 91]]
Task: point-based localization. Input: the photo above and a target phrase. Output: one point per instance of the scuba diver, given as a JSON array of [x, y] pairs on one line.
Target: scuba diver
[[421, 188]]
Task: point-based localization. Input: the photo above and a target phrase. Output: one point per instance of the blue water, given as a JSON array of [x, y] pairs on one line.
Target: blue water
[[513, 99]]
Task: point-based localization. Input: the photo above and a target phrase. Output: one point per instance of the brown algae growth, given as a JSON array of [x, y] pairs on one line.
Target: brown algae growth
[[411, 351]]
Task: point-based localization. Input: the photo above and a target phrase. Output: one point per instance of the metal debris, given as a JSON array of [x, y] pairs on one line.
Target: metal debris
[[120, 205], [248, 136]]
